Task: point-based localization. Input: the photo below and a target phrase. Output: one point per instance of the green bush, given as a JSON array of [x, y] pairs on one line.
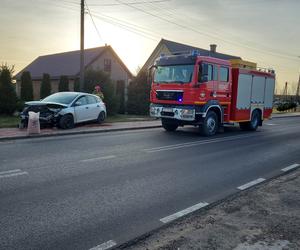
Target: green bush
[[8, 97], [139, 95], [45, 86], [286, 106], [26, 87], [63, 84], [93, 78]]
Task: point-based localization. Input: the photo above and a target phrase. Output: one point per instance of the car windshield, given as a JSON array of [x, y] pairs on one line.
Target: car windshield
[[63, 98], [174, 73]]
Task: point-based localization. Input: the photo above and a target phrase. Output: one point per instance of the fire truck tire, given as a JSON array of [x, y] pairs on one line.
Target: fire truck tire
[[255, 120], [169, 125], [253, 124], [210, 124]]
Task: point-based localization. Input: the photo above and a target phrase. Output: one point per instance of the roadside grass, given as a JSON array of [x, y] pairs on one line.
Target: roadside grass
[[13, 121], [9, 121]]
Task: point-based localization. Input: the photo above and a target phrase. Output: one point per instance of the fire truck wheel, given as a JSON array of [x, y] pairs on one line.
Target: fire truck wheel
[[210, 124], [253, 124], [255, 119], [169, 125]]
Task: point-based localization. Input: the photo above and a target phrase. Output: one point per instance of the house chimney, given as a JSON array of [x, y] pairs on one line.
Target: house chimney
[[213, 48]]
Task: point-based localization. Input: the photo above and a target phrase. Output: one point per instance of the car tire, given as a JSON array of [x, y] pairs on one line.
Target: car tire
[[101, 117], [66, 122]]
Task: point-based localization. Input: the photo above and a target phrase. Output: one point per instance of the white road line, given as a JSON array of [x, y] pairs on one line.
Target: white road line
[[13, 175], [195, 143], [183, 212], [99, 158], [271, 124], [105, 245], [290, 167], [10, 171], [251, 183]]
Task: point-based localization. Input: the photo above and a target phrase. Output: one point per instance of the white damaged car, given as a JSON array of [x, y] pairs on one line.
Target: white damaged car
[[65, 109]]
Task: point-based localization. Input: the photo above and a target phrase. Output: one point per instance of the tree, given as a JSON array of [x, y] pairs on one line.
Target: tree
[[63, 84], [93, 78], [138, 95], [45, 86], [26, 87], [8, 97]]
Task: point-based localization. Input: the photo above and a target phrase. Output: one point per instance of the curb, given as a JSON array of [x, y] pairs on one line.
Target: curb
[[285, 116], [82, 132], [231, 197]]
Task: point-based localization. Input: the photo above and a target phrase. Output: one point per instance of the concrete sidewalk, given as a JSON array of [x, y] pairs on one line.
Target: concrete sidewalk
[[15, 133]]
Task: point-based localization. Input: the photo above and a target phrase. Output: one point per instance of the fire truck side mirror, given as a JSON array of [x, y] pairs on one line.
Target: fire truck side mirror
[[151, 73]]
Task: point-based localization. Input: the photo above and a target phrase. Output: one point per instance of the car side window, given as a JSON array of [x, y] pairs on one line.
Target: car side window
[[81, 101], [224, 74], [91, 99]]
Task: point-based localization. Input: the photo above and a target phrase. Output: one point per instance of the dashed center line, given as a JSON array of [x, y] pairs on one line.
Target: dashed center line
[[12, 173], [105, 245], [99, 158], [290, 167], [183, 212], [251, 183]]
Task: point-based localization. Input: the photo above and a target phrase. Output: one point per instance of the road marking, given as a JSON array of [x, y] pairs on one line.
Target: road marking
[[99, 158], [251, 183], [12, 173], [105, 245], [195, 143], [290, 167], [183, 212], [271, 124]]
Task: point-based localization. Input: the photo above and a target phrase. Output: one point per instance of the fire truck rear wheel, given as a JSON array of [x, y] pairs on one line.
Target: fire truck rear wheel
[[210, 124], [255, 120], [169, 125], [253, 124]]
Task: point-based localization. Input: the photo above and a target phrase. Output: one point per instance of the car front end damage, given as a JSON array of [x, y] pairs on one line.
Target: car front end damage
[[50, 113]]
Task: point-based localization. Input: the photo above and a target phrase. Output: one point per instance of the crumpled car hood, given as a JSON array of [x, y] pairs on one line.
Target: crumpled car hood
[[51, 105]]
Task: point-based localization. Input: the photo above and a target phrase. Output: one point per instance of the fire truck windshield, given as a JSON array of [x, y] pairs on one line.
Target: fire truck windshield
[[174, 74]]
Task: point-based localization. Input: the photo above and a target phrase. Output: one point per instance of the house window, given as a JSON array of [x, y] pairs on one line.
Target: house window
[[107, 65]]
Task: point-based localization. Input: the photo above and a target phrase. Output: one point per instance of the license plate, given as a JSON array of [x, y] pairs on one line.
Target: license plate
[[167, 109]]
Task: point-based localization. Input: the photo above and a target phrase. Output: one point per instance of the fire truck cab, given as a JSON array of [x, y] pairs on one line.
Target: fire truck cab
[[190, 89]]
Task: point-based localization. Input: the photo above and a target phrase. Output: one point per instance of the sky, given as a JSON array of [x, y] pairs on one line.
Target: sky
[[263, 31]]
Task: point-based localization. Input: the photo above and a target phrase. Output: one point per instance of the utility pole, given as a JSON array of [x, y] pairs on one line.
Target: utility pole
[[285, 91], [298, 90], [81, 45]]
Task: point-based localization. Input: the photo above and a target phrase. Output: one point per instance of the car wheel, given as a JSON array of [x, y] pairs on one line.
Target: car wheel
[[101, 117], [66, 122]]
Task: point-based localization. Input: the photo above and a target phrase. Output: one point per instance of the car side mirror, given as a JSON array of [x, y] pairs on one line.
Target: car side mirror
[[77, 104]]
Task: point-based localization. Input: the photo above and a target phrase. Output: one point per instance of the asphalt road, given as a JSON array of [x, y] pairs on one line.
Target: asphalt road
[[97, 190]]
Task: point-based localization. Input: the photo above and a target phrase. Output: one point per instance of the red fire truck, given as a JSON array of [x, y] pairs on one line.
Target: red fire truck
[[208, 92]]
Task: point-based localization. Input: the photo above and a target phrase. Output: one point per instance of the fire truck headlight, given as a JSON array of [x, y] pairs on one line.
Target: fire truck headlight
[[152, 110], [187, 113]]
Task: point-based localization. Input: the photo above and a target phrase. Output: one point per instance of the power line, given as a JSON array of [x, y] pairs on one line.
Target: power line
[[291, 57], [130, 3], [89, 12]]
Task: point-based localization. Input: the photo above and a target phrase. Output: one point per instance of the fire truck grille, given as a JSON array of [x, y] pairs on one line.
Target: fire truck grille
[[169, 95]]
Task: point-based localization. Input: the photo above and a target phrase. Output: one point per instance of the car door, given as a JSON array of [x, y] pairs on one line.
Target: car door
[[81, 109], [94, 107]]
